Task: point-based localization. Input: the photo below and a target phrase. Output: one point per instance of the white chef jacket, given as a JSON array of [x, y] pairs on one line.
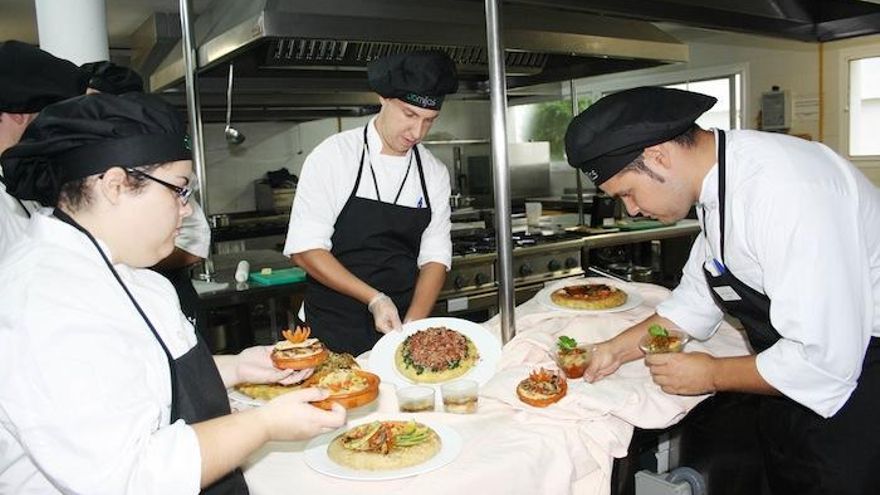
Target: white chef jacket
[[13, 218], [802, 227], [86, 394], [195, 233], [328, 176]]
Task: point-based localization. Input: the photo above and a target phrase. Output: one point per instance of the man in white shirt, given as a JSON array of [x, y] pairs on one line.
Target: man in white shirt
[[370, 219], [30, 79], [790, 247]]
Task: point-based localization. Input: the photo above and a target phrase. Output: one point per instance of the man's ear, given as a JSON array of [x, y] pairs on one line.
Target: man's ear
[[112, 184], [657, 154]]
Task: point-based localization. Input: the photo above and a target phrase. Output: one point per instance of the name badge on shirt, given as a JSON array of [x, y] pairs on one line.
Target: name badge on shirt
[[726, 293]]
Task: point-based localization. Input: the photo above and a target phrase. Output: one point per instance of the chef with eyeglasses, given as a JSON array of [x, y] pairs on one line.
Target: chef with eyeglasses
[[370, 221]]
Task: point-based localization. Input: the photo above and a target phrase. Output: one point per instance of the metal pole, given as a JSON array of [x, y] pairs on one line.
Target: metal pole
[[193, 108], [501, 171], [577, 172]]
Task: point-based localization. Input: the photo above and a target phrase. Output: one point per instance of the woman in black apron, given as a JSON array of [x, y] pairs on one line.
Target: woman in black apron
[[377, 242], [804, 453], [82, 142]]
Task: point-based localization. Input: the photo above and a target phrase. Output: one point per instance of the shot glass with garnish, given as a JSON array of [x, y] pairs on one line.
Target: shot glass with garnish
[[572, 357], [415, 399], [660, 340], [460, 396]]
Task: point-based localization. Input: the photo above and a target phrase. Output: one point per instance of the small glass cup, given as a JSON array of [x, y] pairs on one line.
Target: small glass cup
[[574, 362], [675, 342], [415, 399], [460, 396]]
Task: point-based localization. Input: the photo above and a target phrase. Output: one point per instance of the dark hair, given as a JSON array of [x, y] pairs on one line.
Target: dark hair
[[687, 139], [76, 194]]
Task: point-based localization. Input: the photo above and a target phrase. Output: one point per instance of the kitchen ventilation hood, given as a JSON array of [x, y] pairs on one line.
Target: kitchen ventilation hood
[[301, 60]]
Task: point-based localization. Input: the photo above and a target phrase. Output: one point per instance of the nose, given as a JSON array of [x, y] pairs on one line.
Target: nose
[[631, 208]]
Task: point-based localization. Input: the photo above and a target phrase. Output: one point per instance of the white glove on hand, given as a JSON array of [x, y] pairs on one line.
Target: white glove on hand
[[290, 416], [385, 314]]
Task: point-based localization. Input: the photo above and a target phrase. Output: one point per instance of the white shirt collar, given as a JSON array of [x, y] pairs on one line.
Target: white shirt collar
[[375, 143], [47, 228], [709, 191]]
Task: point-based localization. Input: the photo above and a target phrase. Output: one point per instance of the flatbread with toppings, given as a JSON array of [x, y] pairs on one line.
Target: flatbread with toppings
[[384, 445], [435, 355], [589, 296], [297, 351], [268, 391]]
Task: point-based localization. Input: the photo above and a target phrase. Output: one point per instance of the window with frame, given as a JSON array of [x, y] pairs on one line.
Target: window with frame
[[864, 106]]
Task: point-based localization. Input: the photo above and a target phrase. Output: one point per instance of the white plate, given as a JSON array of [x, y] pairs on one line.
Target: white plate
[[633, 298], [382, 356], [316, 454]]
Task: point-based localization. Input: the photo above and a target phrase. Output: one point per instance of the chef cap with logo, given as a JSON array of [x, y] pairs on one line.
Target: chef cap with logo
[[88, 135], [31, 78], [420, 78], [615, 130]]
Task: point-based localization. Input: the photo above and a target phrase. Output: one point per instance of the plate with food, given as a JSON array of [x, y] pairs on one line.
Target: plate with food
[[375, 450], [339, 373], [591, 295], [542, 387], [434, 351]]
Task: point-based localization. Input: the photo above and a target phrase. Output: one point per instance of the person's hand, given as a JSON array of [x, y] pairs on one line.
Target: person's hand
[[290, 416], [385, 313], [254, 365], [604, 361], [683, 373]]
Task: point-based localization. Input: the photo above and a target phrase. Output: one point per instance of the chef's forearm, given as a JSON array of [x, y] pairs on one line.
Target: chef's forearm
[[740, 374], [428, 285], [225, 443], [325, 268]]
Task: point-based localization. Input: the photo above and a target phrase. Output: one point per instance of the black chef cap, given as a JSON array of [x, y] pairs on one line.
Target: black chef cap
[[31, 78], [611, 133], [108, 77], [420, 78], [88, 135]]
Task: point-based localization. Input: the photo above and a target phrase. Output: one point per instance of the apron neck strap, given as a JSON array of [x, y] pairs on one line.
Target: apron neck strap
[[64, 217], [722, 181]]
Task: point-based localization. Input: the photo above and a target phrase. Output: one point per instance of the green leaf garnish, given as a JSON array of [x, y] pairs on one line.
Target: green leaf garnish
[[566, 343], [657, 331]]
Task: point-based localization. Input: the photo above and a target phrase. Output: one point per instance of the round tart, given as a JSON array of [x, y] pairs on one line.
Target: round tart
[[589, 296], [298, 351]]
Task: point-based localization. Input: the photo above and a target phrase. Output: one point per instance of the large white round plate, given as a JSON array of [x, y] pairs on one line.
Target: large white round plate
[[633, 298], [382, 356], [316, 454]]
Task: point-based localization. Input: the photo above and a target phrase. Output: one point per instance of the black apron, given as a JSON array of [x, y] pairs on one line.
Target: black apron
[[379, 243], [803, 452], [197, 391], [181, 279]]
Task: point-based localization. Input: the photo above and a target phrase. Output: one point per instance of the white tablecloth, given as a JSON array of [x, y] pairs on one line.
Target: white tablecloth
[[511, 448]]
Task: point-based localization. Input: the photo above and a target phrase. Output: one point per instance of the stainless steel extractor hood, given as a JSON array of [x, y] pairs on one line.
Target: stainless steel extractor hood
[[306, 59]]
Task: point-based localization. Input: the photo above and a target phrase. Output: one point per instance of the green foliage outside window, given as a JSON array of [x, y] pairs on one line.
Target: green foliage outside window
[[550, 121]]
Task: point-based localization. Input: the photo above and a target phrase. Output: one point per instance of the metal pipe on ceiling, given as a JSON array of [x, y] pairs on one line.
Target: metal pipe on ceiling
[[190, 61], [501, 170]]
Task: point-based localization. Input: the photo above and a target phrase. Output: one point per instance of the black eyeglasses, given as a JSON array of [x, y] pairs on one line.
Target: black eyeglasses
[[183, 193]]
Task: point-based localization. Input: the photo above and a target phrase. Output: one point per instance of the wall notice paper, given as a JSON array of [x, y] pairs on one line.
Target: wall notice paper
[[806, 109]]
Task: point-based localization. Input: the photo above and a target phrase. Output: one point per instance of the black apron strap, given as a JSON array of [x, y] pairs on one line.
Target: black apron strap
[[422, 177]]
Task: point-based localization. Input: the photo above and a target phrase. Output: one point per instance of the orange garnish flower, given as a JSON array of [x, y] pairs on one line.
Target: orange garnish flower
[[300, 334]]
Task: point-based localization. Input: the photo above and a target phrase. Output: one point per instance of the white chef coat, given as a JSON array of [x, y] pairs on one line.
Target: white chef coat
[[86, 394], [13, 218], [802, 227], [195, 233], [328, 176]]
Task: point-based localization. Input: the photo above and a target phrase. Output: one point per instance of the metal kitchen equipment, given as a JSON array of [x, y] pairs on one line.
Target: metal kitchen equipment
[[233, 136]]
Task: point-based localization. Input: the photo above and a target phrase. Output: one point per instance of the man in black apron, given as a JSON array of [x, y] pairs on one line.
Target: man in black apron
[[820, 384], [374, 265]]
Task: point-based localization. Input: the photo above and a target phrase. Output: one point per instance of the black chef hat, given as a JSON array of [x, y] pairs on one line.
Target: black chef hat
[[31, 78], [420, 78], [108, 77], [611, 133], [87, 135]]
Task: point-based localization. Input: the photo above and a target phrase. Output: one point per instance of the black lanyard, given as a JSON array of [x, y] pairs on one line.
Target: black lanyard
[[366, 150], [722, 181]]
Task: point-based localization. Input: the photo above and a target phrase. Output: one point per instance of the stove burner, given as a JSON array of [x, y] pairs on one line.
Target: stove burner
[[484, 242]]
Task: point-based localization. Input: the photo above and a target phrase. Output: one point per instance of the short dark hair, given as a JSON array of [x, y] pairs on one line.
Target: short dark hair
[[75, 194], [687, 139]]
